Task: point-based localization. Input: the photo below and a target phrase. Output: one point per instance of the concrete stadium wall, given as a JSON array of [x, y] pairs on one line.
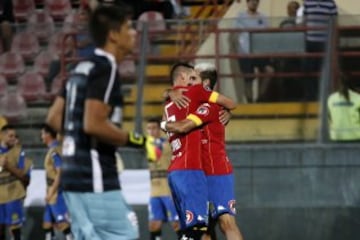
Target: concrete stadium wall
[[283, 192]]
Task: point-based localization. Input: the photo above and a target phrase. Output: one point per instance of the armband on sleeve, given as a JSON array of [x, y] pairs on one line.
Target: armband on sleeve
[[213, 97]]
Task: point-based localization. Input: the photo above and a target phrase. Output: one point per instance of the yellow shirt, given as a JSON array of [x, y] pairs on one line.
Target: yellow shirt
[[158, 165], [344, 116], [10, 187]]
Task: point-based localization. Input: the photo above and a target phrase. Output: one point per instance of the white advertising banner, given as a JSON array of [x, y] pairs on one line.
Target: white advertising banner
[[135, 186]]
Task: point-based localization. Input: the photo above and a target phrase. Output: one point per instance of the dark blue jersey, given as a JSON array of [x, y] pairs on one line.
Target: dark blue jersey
[[89, 164]]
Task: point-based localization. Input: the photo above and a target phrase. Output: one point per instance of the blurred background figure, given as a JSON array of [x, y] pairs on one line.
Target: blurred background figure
[[290, 21], [255, 87], [316, 14], [6, 19], [344, 111]]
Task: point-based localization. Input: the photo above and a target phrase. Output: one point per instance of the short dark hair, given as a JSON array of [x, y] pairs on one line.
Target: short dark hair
[[7, 127], [49, 130], [105, 19], [177, 68], [156, 120], [211, 75], [207, 71]]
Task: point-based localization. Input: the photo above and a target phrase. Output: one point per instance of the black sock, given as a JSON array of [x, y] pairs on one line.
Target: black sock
[[2, 232], [155, 235], [195, 232], [67, 233], [179, 234], [49, 233], [16, 233]]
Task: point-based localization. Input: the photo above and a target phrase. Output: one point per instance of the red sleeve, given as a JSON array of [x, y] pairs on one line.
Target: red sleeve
[[204, 113], [200, 94]]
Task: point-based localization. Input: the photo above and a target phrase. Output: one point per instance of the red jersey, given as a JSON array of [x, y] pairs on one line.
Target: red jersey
[[213, 153], [186, 150]]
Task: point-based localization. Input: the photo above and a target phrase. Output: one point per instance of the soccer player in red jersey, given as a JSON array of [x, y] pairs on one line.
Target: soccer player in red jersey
[[216, 165], [186, 177]]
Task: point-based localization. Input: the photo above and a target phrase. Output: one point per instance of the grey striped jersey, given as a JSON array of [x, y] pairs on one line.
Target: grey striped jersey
[[89, 164]]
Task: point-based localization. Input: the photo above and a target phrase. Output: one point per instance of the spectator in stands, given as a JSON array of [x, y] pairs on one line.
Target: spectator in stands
[[290, 21], [85, 45], [344, 112], [6, 20], [300, 14], [245, 20], [288, 87], [316, 14]]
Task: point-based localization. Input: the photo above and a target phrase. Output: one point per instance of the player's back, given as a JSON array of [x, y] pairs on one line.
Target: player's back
[[187, 147], [214, 156], [86, 158]]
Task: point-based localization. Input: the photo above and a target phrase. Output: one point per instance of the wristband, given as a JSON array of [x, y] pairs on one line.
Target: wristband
[[163, 125]]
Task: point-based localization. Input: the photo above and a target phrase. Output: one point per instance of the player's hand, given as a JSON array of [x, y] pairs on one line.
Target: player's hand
[[177, 97], [50, 193], [224, 116], [136, 140]]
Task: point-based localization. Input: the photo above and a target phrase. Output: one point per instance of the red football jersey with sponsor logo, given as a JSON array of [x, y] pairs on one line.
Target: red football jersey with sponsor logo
[[213, 153], [186, 148]]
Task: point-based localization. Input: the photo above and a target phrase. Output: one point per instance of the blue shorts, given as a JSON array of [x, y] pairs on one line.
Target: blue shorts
[[99, 216], [162, 209], [57, 212], [221, 194], [190, 194], [12, 213]]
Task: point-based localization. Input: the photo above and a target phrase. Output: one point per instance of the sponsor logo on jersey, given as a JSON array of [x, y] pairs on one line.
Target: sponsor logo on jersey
[[232, 207], [189, 216], [202, 110]]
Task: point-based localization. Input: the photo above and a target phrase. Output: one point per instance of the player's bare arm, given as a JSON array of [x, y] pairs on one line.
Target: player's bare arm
[[180, 127], [96, 123], [53, 189], [226, 102], [55, 114], [177, 97]]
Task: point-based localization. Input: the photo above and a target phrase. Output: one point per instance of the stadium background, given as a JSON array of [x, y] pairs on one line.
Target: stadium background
[[291, 181]]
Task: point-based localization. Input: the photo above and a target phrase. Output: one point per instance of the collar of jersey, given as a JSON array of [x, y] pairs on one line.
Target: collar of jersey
[[100, 52], [54, 144]]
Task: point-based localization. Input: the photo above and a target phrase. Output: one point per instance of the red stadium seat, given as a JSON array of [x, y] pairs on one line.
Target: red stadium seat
[[59, 46], [13, 106], [155, 21], [42, 62], [39, 2], [70, 23], [3, 85], [58, 9], [22, 9], [26, 44], [41, 23], [127, 68], [11, 65], [32, 86]]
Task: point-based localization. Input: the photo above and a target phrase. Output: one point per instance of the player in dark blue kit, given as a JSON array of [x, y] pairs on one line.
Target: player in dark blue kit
[[89, 113], [56, 214]]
